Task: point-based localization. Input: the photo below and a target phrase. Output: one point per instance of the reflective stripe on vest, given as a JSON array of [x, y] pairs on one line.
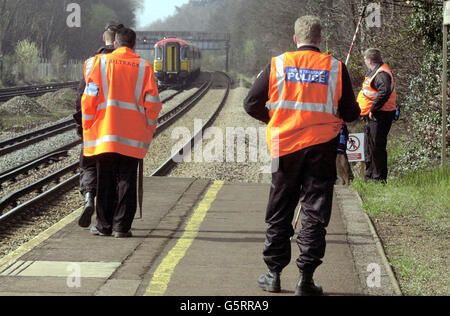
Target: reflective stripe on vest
[[117, 139], [152, 99], [88, 117]]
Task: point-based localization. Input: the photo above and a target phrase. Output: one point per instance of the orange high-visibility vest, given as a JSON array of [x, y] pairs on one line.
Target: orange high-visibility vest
[[120, 105], [304, 93], [368, 95]]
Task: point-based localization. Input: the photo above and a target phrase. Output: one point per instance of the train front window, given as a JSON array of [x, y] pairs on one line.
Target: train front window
[[184, 53], [158, 53]]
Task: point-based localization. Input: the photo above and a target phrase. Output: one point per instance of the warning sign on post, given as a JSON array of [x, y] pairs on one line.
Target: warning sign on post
[[355, 148]]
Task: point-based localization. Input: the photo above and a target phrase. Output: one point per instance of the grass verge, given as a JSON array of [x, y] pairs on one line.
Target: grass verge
[[412, 217]]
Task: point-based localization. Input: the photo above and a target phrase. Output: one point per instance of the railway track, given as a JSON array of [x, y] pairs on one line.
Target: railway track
[[67, 178], [34, 91], [23, 141], [170, 163], [28, 139]]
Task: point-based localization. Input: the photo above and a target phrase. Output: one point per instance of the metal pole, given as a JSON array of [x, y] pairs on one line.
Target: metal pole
[[356, 34], [1, 67], [227, 61], [444, 96]]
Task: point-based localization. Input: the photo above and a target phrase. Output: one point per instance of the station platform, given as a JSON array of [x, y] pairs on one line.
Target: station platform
[[196, 238]]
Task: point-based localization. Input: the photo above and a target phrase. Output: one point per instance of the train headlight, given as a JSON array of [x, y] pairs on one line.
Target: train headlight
[[158, 66], [185, 66]]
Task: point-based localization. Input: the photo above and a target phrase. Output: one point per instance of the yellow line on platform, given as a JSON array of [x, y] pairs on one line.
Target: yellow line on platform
[[12, 257], [161, 278]]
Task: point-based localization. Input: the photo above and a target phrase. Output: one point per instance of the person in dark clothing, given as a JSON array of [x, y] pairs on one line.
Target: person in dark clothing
[[308, 138], [117, 132], [88, 169], [377, 100]]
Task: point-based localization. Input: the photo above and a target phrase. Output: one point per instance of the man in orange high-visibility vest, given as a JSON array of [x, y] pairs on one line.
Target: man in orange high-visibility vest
[[310, 96], [88, 165], [378, 102], [120, 108]]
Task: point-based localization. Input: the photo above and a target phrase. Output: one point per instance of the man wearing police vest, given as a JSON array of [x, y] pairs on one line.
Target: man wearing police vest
[[309, 97], [120, 108], [378, 102], [88, 169]]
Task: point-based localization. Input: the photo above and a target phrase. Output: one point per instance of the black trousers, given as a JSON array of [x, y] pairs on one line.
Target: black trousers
[[307, 176], [116, 192], [376, 134], [88, 174]]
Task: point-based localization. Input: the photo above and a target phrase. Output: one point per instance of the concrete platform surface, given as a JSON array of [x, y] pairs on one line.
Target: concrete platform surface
[[197, 238]]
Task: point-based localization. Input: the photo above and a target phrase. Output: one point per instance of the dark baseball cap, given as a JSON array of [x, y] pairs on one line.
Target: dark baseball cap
[[113, 26]]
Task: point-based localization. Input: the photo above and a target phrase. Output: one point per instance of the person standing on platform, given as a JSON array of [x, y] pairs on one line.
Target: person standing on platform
[[378, 102], [120, 108], [88, 170], [309, 97]]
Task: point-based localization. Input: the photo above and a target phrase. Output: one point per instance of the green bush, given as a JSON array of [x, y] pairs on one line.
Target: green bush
[[422, 101], [7, 77], [58, 59], [27, 56]]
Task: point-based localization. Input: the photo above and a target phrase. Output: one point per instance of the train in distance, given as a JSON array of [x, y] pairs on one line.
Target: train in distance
[[176, 61]]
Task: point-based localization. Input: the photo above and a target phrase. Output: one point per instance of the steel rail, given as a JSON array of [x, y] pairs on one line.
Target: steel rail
[[167, 166], [63, 148], [21, 138], [32, 165], [30, 203], [38, 87], [172, 116], [26, 143], [36, 90], [12, 198]]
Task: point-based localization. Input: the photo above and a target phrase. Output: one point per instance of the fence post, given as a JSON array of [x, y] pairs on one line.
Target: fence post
[[445, 23]]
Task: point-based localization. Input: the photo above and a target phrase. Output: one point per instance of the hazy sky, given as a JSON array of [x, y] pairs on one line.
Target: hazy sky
[[156, 9]]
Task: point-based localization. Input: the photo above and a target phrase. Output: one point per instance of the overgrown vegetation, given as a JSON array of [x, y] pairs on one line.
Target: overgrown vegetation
[[412, 215], [422, 104], [409, 37], [424, 194], [45, 23], [42, 26]]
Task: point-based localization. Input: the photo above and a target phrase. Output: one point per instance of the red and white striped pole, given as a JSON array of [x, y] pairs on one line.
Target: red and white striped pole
[[356, 34]]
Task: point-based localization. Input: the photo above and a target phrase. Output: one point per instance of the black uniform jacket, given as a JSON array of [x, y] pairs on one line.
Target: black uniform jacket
[[78, 115], [382, 84], [255, 103]]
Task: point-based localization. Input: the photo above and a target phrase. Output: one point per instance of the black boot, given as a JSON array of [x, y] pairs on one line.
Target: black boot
[[89, 208], [270, 282], [306, 286]]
